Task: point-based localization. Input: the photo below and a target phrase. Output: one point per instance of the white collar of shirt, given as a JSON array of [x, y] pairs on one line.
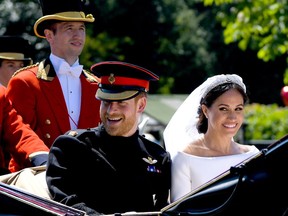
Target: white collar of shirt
[[60, 64]]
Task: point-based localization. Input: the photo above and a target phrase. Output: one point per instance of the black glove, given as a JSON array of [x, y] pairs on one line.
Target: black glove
[[39, 160]]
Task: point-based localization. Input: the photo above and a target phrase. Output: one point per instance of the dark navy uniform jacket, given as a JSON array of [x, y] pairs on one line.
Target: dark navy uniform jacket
[[98, 173]]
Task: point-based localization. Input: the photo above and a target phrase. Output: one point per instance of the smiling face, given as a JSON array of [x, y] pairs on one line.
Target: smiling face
[[120, 118], [226, 114]]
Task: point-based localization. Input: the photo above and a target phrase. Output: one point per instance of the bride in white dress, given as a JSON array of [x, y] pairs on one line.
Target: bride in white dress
[[200, 134]]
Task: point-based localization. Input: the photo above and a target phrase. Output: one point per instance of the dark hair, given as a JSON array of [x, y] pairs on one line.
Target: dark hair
[[50, 24], [208, 100]]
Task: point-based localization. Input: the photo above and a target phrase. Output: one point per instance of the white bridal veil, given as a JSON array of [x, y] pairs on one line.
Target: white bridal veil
[[181, 128]]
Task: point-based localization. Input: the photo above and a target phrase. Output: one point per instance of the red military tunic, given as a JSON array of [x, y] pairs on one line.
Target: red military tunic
[[36, 94], [15, 136]]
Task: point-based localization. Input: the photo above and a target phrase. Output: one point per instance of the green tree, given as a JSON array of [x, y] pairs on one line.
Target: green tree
[[165, 36], [261, 25], [18, 18]]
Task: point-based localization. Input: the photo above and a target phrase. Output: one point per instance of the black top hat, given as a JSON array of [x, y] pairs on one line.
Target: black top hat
[[60, 10], [121, 80], [15, 48]]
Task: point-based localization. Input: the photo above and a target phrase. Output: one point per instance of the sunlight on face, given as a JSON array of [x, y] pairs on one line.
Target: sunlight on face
[[120, 118], [68, 40], [226, 114]]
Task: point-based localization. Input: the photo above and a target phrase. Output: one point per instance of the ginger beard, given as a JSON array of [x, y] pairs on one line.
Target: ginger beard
[[120, 118]]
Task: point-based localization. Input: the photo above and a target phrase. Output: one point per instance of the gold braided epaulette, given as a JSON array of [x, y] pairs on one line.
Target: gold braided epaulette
[[90, 76], [24, 68]]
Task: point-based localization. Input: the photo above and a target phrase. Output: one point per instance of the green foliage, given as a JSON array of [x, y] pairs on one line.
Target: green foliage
[[286, 76], [166, 84], [18, 16], [100, 47], [184, 38], [265, 122], [259, 24]]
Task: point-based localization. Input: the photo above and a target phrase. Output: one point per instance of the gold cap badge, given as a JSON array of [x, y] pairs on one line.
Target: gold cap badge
[[111, 78]]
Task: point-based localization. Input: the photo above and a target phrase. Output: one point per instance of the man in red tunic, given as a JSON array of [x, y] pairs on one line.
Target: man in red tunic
[[56, 94], [13, 134]]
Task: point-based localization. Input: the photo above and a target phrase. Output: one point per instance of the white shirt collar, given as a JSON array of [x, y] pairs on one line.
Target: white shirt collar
[[56, 62]]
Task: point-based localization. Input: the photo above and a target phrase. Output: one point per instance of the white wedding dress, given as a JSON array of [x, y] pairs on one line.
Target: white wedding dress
[[190, 172]]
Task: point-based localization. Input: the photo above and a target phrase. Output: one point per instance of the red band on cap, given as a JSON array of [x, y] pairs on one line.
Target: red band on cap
[[125, 81]]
